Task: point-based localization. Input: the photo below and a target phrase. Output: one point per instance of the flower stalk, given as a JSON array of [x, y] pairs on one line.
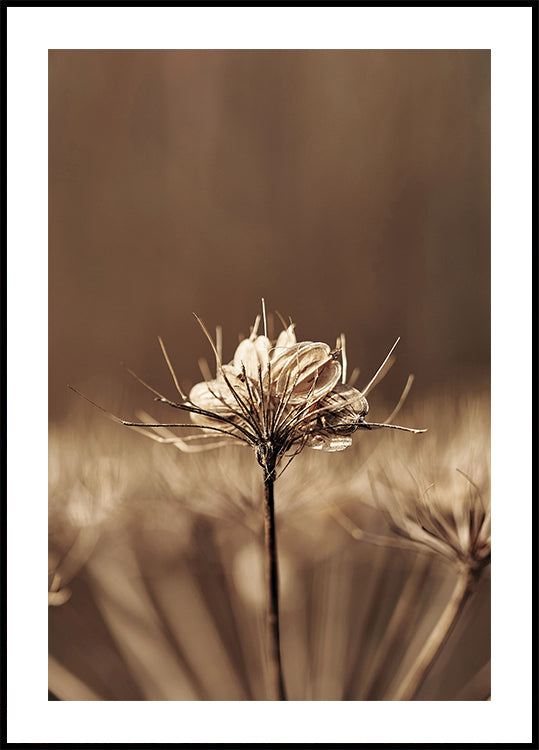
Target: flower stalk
[[276, 680], [427, 657]]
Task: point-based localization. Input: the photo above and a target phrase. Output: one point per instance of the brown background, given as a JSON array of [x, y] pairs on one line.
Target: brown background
[[349, 188]]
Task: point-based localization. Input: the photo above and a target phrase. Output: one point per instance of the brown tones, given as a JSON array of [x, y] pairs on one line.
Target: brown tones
[[348, 187]]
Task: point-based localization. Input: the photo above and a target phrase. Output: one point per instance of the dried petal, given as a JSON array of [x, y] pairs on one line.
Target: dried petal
[[285, 339], [315, 383], [329, 443], [252, 353], [342, 409], [305, 369], [213, 395]]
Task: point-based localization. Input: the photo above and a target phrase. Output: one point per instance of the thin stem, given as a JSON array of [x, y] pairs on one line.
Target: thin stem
[[367, 536], [397, 628], [409, 686], [272, 583]]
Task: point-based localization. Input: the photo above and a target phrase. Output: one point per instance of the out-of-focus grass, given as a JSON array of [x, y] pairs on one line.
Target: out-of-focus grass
[[157, 558]]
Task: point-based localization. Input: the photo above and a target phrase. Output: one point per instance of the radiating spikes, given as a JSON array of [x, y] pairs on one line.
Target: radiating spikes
[[205, 369], [402, 399], [273, 394], [189, 444], [217, 358], [173, 424], [139, 424], [141, 381], [366, 390], [219, 342], [344, 361], [378, 425], [233, 414], [254, 329], [105, 411], [298, 450], [470, 480], [167, 360], [264, 319], [282, 320]]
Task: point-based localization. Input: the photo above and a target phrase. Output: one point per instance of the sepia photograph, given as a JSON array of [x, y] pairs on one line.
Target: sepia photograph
[[269, 499]]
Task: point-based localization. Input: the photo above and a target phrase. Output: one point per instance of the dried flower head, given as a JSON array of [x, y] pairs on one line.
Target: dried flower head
[[273, 391], [453, 520], [89, 492], [276, 396], [440, 497]]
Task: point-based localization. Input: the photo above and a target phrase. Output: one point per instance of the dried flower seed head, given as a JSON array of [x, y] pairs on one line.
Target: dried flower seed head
[[286, 393], [439, 496], [276, 396], [454, 522], [270, 390], [267, 379], [341, 413]]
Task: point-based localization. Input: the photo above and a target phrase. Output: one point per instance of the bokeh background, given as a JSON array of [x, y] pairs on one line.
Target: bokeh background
[[350, 188]]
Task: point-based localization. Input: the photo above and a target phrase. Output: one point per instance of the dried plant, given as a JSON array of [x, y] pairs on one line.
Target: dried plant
[[86, 494], [170, 605], [437, 499], [277, 397]]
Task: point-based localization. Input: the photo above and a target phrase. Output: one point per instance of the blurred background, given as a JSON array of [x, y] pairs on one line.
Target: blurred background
[[350, 188]]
